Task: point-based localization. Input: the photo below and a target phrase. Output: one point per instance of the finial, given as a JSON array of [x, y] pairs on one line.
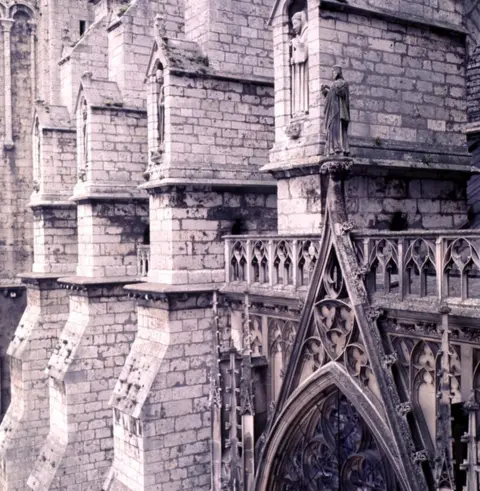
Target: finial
[[160, 29], [87, 76]]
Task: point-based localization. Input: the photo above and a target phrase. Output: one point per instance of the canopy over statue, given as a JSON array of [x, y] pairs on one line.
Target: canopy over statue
[[337, 114]]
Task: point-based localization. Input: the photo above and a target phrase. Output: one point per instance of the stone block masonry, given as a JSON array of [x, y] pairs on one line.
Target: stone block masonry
[[25, 426], [108, 234], [55, 235], [161, 416], [82, 370], [187, 225], [234, 35], [216, 128]]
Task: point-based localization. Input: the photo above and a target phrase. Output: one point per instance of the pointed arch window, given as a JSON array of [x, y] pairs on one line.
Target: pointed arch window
[[333, 448]]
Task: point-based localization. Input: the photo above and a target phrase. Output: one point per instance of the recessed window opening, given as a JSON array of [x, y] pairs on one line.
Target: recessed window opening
[[83, 27]]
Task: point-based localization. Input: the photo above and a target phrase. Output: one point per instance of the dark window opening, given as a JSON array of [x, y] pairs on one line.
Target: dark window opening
[[146, 235], [399, 222], [83, 26], [238, 227]]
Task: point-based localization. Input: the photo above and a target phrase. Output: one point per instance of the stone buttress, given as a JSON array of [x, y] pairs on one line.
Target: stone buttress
[[26, 423], [208, 133], [94, 342]]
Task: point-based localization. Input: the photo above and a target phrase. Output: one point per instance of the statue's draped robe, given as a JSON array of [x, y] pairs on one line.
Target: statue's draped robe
[[299, 80], [337, 118]]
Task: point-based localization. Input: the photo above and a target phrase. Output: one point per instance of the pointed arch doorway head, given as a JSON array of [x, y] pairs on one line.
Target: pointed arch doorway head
[[322, 442]]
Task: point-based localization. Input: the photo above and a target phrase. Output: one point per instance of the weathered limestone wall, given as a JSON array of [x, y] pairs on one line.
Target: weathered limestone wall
[[187, 226], [385, 203], [234, 35], [59, 30], [299, 204], [88, 55], [56, 242], [161, 415], [108, 234], [407, 104], [26, 423], [117, 141], [216, 128], [130, 39], [25, 426], [16, 177], [407, 82], [85, 364]]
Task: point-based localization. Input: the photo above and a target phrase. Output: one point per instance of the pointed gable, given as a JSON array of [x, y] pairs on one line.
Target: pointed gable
[[99, 92], [338, 337], [52, 117]]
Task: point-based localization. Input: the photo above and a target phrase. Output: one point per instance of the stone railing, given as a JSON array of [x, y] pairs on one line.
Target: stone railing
[[423, 264], [143, 260], [272, 261]]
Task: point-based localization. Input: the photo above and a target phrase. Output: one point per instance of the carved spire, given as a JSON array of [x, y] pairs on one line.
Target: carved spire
[[470, 465], [444, 475]]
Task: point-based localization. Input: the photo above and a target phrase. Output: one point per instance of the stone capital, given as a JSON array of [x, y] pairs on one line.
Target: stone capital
[[6, 25]]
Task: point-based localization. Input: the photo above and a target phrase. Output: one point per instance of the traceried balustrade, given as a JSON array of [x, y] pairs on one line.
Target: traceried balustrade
[[271, 260], [143, 260], [440, 264]]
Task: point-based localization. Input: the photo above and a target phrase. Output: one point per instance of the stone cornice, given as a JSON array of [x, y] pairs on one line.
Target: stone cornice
[[224, 184], [397, 17], [85, 283], [228, 77], [173, 297]]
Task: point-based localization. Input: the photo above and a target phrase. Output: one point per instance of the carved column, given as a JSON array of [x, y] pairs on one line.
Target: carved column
[[33, 58], [7, 28]]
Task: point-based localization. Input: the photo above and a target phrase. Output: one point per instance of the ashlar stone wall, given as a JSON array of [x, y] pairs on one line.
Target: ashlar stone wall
[[215, 128], [161, 415], [85, 364], [187, 226], [25, 425], [234, 35], [406, 73]]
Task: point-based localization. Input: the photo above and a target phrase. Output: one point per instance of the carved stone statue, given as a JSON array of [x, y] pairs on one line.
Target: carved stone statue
[[160, 107], [85, 143], [337, 114], [299, 64]]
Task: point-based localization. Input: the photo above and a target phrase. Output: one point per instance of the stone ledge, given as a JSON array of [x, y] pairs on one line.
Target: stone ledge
[[46, 202], [224, 184], [375, 167], [429, 306], [84, 282], [276, 293], [165, 289], [227, 77]]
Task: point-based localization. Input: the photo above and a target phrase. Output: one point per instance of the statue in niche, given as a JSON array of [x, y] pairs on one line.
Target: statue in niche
[[337, 114], [160, 106], [299, 63], [83, 169]]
